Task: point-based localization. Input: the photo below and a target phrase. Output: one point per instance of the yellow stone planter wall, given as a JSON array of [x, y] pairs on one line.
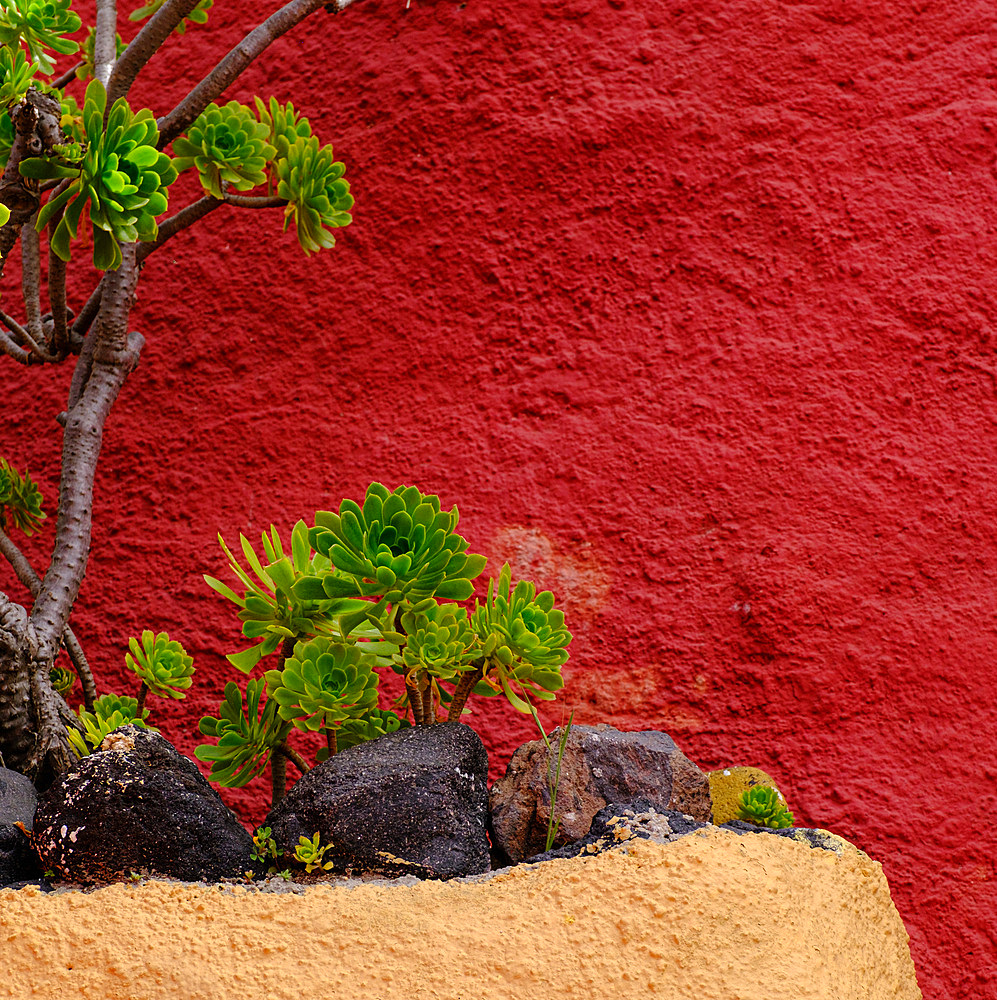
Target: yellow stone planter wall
[[712, 916]]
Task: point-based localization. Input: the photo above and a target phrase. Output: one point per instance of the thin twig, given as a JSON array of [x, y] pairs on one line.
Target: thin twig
[[88, 313], [21, 334], [145, 45], [12, 350], [227, 71], [67, 78], [175, 223], [249, 201], [293, 756], [31, 279], [57, 299]]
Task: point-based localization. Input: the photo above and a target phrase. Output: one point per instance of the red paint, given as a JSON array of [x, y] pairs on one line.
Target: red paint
[[690, 309]]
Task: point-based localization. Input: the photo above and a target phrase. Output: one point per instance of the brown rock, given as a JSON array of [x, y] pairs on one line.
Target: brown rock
[[600, 765]]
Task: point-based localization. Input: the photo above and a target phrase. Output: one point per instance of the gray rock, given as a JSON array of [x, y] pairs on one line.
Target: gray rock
[[136, 805], [414, 802], [18, 800], [600, 765]]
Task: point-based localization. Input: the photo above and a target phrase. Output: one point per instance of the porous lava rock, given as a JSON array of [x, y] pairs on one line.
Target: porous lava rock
[[414, 802], [18, 800], [620, 822], [600, 765], [136, 805]]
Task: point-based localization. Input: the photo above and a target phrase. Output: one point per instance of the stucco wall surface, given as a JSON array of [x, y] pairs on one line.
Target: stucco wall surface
[[711, 916], [690, 309]]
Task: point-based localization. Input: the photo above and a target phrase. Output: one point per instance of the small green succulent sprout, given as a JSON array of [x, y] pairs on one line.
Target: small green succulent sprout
[[310, 854], [16, 75], [63, 680], [110, 712], [229, 148], [285, 125], [161, 663], [399, 545], [523, 640], [40, 25], [246, 737], [199, 15], [318, 197], [375, 723], [323, 684], [269, 609], [264, 846], [20, 500], [122, 177], [765, 806]]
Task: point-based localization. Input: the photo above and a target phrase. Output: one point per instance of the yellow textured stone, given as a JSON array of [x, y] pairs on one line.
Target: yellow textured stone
[[728, 784], [711, 916]]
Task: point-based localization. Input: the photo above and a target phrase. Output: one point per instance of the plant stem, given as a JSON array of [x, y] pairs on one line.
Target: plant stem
[[330, 741], [466, 684], [287, 751], [142, 692], [414, 699]]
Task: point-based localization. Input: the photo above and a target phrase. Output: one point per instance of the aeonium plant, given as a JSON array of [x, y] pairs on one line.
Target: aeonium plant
[[377, 585]]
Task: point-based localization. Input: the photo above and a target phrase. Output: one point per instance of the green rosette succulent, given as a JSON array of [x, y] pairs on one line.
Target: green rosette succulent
[[161, 664], [122, 177], [40, 25], [310, 853], [399, 546], [523, 640], [16, 75], [765, 806], [228, 146], [110, 712], [285, 125], [268, 608], [245, 737], [323, 684], [20, 500], [318, 198], [199, 15], [63, 680], [375, 723], [438, 640]]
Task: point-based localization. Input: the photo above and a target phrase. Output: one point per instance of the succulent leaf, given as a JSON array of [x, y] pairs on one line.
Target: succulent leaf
[[228, 146], [20, 500], [438, 640], [375, 723], [161, 663], [310, 853], [524, 639], [285, 125], [318, 198], [15, 78], [765, 806], [199, 15], [323, 684], [245, 737], [40, 25], [63, 680], [110, 712], [399, 546], [121, 176]]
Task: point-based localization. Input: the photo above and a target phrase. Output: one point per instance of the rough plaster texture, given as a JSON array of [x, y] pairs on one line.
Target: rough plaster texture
[[690, 308], [714, 917]]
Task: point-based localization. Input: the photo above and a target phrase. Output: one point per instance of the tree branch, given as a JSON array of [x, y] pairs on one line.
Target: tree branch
[[105, 50], [227, 71], [31, 279], [12, 350], [57, 301], [115, 355], [145, 45], [175, 223], [250, 201], [22, 335], [32, 583], [67, 78]]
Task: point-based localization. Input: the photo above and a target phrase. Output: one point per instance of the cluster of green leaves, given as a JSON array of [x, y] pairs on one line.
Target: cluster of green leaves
[[374, 586], [112, 167], [310, 853], [765, 806], [162, 666], [20, 500]]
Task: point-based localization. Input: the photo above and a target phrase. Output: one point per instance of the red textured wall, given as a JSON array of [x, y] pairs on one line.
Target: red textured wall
[[690, 309]]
